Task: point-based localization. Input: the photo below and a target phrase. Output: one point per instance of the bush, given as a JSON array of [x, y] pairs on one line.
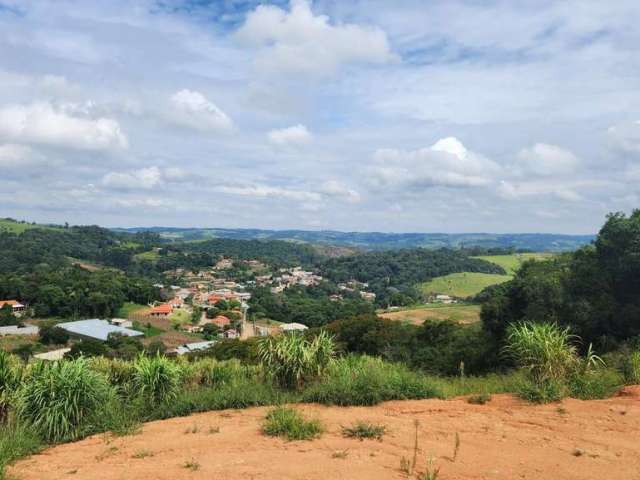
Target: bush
[[290, 424], [210, 372], [11, 370], [595, 384], [362, 430], [631, 368], [368, 381], [544, 392], [479, 399], [59, 398], [119, 373], [293, 360], [156, 379]]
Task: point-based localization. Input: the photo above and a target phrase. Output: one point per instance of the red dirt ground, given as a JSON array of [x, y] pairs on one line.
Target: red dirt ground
[[503, 439]]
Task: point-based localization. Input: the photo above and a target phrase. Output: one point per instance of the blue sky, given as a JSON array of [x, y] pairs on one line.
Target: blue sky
[[454, 116]]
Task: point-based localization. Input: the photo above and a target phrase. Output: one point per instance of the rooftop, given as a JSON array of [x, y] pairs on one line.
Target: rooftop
[[98, 329]]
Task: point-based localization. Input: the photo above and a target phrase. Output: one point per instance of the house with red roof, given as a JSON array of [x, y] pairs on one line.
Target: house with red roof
[[16, 307], [162, 310]]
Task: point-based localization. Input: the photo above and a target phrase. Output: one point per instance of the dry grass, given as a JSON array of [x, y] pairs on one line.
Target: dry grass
[[464, 314]]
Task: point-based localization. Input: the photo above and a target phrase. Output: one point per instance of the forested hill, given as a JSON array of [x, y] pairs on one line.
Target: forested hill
[[393, 273], [536, 242]]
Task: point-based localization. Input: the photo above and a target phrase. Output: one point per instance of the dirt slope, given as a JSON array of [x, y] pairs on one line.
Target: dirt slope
[[504, 439]]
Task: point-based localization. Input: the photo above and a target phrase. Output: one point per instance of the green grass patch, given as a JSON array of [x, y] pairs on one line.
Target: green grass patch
[[129, 308], [146, 328], [462, 285], [363, 430], [511, 263], [180, 316], [12, 226], [290, 424]]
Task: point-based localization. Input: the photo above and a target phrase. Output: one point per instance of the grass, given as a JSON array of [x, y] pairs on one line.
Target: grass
[[129, 308], [462, 285], [479, 399], [459, 313], [148, 329], [150, 256], [157, 379], [290, 424], [511, 263], [180, 316], [140, 454], [362, 430], [16, 441], [192, 465], [12, 226]]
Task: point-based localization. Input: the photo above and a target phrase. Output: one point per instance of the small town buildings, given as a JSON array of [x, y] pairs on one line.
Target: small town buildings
[[231, 333], [163, 310], [176, 302], [96, 329], [193, 347], [221, 321], [293, 327], [369, 296], [19, 330], [121, 322], [444, 299], [16, 307]]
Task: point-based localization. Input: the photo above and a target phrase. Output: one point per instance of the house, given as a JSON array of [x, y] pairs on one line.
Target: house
[[293, 327], [221, 321], [121, 322], [176, 302], [162, 310], [444, 299], [53, 355], [16, 307], [96, 329], [191, 328], [231, 333], [368, 296], [19, 330], [193, 347]]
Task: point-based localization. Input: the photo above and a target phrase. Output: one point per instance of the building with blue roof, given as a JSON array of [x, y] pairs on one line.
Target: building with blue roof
[[96, 329]]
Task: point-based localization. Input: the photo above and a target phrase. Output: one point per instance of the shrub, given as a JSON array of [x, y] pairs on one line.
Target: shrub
[[365, 380], [290, 424], [211, 372], [156, 379], [362, 430], [11, 370], [59, 398], [16, 441], [479, 399], [631, 368], [544, 392], [292, 359], [544, 350], [119, 373], [595, 384]]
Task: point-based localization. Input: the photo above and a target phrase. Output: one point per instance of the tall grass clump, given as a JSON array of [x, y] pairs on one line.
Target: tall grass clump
[[119, 373], [59, 399], [631, 368], [363, 380], [16, 441], [11, 370], [210, 372], [156, 379], [289, 423], [294, 360]]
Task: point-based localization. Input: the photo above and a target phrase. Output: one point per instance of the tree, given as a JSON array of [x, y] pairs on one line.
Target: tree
[[7, 317], [210, 331], [51, 334]]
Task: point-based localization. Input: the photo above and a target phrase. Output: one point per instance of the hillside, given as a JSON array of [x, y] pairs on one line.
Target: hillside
[[503, 440], [14, 226], [538, 242]]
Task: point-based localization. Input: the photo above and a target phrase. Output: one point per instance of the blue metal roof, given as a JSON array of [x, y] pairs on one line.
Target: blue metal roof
[[98, 329]]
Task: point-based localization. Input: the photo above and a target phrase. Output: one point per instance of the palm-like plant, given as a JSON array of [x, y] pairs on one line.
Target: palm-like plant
[[292, 359], [157, 379], [545, 350], [58, 398]]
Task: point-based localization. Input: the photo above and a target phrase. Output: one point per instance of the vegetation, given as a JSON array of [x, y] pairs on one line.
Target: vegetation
[[462, 285], [157, 379], [362, 430], [290, 424]]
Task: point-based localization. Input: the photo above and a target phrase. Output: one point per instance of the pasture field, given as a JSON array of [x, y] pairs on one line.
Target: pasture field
[[459, 313], [462, 285], [18, 227], [129, 308], [511, 263]]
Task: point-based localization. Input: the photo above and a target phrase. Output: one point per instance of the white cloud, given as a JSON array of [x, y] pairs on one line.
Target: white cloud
[[295, 135], [14, 156], [146, 178], [42, 123], [193, 110], [546, 160], [446, 163], [299, 41], [512, 191], [333, 188], [625, 136], [265, 191]]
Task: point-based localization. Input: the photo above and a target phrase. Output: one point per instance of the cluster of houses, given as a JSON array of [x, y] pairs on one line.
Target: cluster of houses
[[355, 286], [288, 277]]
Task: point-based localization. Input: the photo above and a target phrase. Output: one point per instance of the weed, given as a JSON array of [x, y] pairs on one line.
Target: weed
[[561, 410], [192, 429], [456, 447], [109, 452], [191, 465], [213, 430], [479, 399], [362, 430], [288, 423], [340, 454], [431, 472], [140, 454]]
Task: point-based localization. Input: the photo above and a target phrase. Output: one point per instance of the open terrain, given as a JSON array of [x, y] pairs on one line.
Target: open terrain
[[503, 439], [458, 313]]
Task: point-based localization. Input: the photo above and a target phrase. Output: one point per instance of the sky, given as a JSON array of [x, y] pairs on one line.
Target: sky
[[367, 115]]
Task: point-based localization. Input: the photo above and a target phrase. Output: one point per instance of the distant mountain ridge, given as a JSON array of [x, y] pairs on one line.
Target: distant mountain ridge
[[537, 242]]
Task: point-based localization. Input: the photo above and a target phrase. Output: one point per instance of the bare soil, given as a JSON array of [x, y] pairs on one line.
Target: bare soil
[[503, 439]]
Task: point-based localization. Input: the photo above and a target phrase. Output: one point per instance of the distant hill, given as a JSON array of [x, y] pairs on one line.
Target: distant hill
[[537, 242], [15, 226]]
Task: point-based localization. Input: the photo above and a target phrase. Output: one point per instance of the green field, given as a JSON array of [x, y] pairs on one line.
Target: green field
[[511, 263], [150, 256], [129, 308], [459, 313], [462, 285], [18, 227]]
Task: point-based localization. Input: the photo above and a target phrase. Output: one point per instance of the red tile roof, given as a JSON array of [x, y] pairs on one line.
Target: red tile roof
[[164, 308], [221, 321]]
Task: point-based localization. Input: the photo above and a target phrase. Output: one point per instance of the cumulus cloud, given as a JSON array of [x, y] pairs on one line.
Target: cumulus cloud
[[333, 188], [42, 123], [266, 191], [193, 110], [295, 135], [145, 178], [625, 136], [546, 160], [446, 163], [299, 41]]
